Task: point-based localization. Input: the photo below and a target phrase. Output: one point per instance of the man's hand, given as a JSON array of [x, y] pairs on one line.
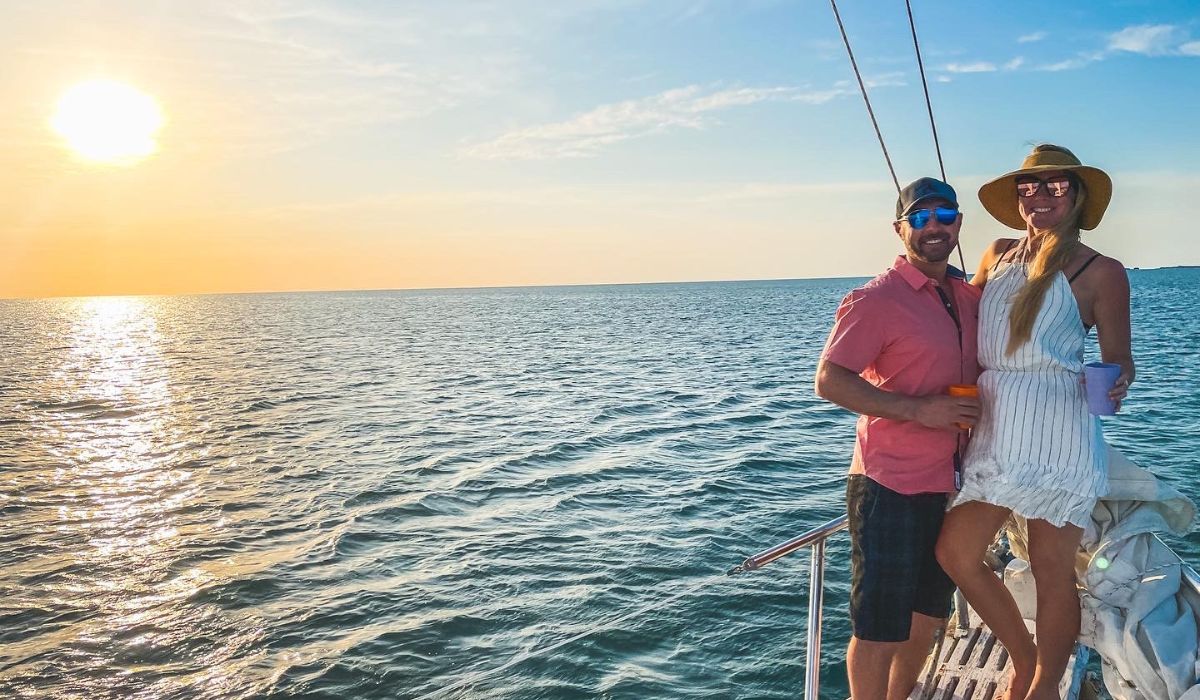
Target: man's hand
[[945, 412]]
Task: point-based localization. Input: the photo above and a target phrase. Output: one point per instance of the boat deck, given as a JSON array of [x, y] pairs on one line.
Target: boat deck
[[971, 664]]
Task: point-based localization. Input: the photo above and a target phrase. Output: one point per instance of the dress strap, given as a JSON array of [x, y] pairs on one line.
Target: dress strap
[[1080, 270], [1011, 244]]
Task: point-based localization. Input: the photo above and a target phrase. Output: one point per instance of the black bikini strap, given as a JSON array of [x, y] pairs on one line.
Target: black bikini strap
[[1011, 244], [1080, 270]]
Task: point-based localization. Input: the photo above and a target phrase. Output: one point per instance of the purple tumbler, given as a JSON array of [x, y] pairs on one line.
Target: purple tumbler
[[1100, 378]]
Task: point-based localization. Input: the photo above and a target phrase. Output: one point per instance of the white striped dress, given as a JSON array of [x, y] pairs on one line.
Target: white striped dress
[[1036, 449]]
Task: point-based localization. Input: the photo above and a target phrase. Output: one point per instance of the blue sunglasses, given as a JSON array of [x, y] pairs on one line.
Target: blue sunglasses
[[919, 217]]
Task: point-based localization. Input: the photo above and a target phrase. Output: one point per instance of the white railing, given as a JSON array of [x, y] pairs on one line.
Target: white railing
[[814, 538], [1189, 575]]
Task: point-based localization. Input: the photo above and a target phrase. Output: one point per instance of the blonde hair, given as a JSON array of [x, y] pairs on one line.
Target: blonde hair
[[1056, 252]]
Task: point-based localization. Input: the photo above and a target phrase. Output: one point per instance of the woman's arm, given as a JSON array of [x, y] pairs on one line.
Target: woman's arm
[[1110, 309]]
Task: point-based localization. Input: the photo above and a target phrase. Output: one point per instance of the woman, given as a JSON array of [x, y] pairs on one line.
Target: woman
[[1036, 451]]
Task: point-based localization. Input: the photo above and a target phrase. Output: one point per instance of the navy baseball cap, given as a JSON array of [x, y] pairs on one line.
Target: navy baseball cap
[[920, 190]]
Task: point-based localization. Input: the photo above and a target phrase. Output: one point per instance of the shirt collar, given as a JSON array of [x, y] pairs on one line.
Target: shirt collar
[[917, 279]]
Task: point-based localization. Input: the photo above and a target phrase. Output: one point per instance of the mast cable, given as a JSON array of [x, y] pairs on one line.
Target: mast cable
[[488, 673], [937, 146], [871, 112], [925, 85], [863, 89]]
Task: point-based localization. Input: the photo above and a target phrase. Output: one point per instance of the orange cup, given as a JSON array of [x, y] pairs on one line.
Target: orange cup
[[963, 390]]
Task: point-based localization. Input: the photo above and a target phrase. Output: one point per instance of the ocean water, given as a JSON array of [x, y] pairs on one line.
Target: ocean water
[[504, 493]]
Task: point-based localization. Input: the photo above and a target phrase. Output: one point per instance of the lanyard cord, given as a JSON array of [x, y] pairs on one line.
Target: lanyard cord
[[957, 326], [958, 445]]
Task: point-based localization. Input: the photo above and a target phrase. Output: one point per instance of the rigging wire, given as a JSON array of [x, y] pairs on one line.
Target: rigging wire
[[863, 89], [924, 84], [937, 146], [871, 112], [475, 678]]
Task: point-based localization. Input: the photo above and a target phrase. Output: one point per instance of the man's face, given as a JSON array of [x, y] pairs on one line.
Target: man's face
[[933, 242]]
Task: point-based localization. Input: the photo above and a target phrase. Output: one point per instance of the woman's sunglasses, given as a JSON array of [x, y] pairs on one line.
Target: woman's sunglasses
[[1029, 186], [919, 217]]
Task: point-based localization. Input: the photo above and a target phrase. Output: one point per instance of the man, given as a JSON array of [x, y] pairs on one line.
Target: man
[[897, 343]]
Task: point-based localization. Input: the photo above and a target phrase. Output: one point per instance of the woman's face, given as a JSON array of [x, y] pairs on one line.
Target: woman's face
[[1044, 211]]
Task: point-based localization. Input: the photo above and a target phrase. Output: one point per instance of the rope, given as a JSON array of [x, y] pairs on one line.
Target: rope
[[546, 650], [863, 88], [925, 85]]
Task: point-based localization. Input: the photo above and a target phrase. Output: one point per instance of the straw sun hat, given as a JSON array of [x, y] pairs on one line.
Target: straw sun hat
[[999, 196]]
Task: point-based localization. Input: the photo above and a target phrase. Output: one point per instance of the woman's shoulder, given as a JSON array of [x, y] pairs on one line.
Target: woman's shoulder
[[998, 248], [1090, 265], [992, 255]]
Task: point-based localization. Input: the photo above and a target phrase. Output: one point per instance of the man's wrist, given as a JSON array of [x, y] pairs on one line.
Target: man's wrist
[[906, 407]]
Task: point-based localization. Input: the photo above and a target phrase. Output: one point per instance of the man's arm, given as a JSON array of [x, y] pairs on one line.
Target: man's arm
[[850, 391]]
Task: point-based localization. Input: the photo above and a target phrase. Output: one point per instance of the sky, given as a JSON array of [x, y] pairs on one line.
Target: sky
[[386, 145]]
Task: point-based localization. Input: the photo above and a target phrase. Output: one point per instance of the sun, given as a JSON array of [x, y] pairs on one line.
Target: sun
[[105, 121]]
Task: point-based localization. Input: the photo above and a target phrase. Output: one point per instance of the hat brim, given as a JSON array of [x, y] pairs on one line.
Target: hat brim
[[999, 196]]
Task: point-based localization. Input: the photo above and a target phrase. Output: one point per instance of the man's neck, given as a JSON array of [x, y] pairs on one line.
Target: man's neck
[[935, 271]]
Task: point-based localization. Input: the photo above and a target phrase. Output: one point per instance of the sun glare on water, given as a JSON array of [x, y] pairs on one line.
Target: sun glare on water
[[104, 121]]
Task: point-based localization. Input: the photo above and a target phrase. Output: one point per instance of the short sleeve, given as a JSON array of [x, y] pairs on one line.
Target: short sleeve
[[857, 337]]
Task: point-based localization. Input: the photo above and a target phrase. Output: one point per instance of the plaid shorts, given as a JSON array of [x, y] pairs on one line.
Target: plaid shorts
[[893, 569]]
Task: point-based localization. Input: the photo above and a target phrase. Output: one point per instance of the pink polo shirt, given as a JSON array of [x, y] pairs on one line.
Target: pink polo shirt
[[895, 332]]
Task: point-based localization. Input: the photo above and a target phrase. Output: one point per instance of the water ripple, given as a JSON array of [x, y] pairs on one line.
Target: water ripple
[[376, 495]]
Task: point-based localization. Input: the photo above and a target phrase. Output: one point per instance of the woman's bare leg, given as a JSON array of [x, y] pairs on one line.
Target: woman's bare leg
[[966, 533], [1052, 558]]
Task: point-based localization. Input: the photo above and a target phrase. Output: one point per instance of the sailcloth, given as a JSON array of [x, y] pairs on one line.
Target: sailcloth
[[1138, 611]]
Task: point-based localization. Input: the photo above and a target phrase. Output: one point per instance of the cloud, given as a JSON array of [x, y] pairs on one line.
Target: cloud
[[754, 191], [1077, 62], [884, 80], [1029, 38], [690, 107], [668, 195], [299, 75], [1148, 39], [296, 14], [1068, 64], [977, 67], [1143, 39]]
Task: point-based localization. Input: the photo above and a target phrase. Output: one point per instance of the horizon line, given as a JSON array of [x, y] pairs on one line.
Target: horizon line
[[483, 287]]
